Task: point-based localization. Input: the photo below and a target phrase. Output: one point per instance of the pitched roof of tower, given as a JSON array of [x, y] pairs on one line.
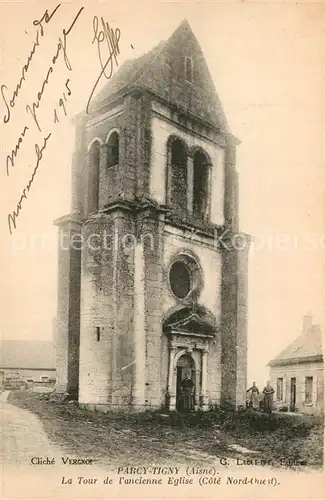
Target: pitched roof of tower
[[161, 71], [127, 74], [306, 346]]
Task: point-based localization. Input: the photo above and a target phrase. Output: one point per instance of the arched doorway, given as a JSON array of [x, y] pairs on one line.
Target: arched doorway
[[185, 367]]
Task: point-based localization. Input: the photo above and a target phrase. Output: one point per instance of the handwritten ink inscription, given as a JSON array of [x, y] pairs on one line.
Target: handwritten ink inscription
[[33, 126], [61, 49], [39, 154], [40, 131], [46, 18]]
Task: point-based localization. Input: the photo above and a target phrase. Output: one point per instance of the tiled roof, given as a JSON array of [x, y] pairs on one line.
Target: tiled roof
[[34, 354], [127, 74], [160, 71], [308, 345]]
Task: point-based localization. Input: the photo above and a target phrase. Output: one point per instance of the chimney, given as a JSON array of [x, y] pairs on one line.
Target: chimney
[[307, 323], [316, 330]]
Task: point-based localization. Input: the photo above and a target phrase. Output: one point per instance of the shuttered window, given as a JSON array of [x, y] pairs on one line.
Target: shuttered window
[[279, 389], [308, 390]]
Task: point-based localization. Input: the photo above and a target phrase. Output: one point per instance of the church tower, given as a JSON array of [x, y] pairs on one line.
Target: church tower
[[153, 280]]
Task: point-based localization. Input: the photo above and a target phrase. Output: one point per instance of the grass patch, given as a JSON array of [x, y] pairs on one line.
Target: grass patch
[[159, 437]]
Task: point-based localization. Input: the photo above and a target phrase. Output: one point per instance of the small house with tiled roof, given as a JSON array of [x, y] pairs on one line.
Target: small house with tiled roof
[[297, 373]]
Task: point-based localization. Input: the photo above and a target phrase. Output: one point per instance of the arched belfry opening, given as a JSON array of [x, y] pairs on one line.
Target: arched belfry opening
[[201, 167], [113, 149], [177, 175], [93, 177]]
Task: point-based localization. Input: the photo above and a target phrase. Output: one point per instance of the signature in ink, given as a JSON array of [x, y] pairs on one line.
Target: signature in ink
[[46, 18], [107, 37], [15, 214], [62, 46]]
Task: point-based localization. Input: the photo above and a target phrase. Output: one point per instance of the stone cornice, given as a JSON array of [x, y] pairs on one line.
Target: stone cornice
[[137, 90], [225, 237], [292, 361], [71, 222], [134, 206]]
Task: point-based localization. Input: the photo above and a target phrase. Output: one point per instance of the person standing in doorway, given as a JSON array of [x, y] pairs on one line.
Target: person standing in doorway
[[254, 396], [268, 392], [187, 388]]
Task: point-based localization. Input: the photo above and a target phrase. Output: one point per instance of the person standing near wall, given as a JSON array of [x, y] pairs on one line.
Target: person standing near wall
[[268, 392], [254, 396], [187, 387]]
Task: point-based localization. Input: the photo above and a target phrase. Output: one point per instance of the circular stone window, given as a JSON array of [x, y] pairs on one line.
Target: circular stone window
[[180, 279]]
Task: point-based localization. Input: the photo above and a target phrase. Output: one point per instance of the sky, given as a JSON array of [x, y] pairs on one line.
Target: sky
[[267, 63]]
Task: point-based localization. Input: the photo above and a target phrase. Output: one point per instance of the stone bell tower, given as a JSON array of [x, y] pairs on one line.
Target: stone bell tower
[[152, 279]]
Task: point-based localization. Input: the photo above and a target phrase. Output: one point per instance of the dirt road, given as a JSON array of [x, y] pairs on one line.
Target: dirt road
[[24, 441], [23, 436]]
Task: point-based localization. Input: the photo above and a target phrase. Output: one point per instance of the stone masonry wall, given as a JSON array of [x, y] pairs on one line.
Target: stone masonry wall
[[107, 303], [234, 293], [153, 242], [210, 261], [96, 297], [68, 310]]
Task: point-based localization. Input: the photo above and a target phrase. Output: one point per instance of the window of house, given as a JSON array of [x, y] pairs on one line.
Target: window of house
[[113, 149], [178, 176], [308, 389], [279, 389], [201, 185], [188, 69], [93, 179]]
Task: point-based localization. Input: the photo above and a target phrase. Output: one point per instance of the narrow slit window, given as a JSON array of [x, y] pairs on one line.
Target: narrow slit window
[[98, 333], [188, 69]]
